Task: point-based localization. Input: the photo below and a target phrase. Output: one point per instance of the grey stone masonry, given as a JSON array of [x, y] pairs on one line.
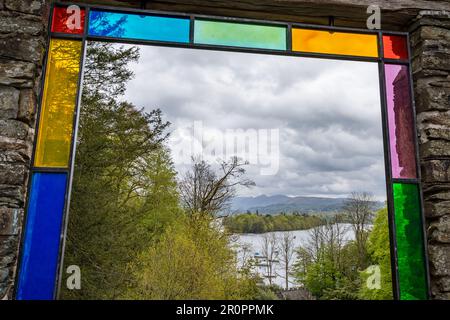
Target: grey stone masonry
[[430, 41], [22, 46]]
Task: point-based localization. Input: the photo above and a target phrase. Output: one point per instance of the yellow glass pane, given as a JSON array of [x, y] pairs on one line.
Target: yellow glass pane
[[58, 104], [318, 41]]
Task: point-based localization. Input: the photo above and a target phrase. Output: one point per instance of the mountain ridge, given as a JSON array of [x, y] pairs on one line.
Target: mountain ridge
[[264, 204]]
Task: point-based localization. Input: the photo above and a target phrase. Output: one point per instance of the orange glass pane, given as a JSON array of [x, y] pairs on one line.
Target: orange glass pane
[[58, 104], [342, 43]]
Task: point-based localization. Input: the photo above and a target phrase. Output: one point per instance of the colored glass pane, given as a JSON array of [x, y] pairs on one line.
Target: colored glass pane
[[240, 35], [395, 47], [58, 104], [410, 249], [68, 20], [135, 26], [400, 118], [341, 43], [42, 237]]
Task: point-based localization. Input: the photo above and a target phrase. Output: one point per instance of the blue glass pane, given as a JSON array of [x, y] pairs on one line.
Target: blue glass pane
[[135, 26], [42, 236]]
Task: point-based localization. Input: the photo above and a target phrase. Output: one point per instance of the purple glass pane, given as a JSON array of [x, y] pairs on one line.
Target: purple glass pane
[[400, 118]]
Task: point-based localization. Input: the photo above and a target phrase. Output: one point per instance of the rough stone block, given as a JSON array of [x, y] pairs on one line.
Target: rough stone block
[[439, 231], [14, 129], [17, 46], [436, 200], [9, 220], [17, 73], [8, 254], [27, 106], [9, 102], [444, 284], [20, 23], [27, 6], [434, 54], [436, 171], [434, 119], [439, 257], [13, 174], [435, 148], [432, 94], [12, 195]]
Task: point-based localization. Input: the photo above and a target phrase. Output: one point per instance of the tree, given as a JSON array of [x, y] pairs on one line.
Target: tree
[[270, 255], [204, 191], [124, 188], [359, 210], [192, 260], [287, 252], [379, 253], [324, 264]]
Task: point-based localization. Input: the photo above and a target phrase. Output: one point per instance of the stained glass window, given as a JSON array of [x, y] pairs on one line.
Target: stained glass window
[[42, 236], [67, 20], [330, 42], [409, 234], [240, 35], [58, 104], [135, 26], [400, 118], [395, 47]]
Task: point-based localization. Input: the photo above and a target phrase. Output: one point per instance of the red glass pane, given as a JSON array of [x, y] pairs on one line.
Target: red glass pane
[[395, 47], [68, 20]]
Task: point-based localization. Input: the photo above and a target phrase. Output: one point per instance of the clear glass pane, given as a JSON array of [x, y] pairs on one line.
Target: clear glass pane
[[308, 133]]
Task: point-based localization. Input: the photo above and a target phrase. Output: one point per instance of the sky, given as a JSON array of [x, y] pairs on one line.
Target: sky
[[307, 126]]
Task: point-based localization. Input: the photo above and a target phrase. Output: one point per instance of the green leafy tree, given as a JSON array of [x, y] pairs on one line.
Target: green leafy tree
[[124, 188], [379, 253], [192, 260]]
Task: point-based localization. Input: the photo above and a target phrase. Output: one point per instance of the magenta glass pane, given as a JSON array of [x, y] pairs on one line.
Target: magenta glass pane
[[400, 118]]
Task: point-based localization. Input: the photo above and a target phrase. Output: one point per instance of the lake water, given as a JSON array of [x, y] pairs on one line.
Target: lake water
[[254, 243]]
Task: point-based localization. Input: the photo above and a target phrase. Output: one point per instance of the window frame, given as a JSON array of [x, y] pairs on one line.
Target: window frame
[[380, 60]]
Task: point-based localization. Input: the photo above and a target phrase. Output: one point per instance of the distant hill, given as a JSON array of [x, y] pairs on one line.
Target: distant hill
[[281, 203]]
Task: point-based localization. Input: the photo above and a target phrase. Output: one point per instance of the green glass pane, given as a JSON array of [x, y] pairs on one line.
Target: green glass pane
[[410, 249], [240, 35]]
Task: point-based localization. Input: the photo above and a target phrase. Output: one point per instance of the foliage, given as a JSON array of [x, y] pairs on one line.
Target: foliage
[[254, 223], [191, 261], [327, 264], [126, 229], [269, 292], [379, 254], [332, 268]]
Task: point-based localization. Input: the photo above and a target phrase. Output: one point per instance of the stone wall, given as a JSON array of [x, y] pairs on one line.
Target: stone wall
[[22, 46], [430, 40]]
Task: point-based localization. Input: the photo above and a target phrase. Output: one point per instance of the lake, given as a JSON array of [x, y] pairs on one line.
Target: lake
[[254, 243]]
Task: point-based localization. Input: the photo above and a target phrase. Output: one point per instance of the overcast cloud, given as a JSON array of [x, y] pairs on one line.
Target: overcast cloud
[[327, 113]]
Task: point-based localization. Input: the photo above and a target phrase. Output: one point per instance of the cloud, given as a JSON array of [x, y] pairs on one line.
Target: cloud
[[327, 112]]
